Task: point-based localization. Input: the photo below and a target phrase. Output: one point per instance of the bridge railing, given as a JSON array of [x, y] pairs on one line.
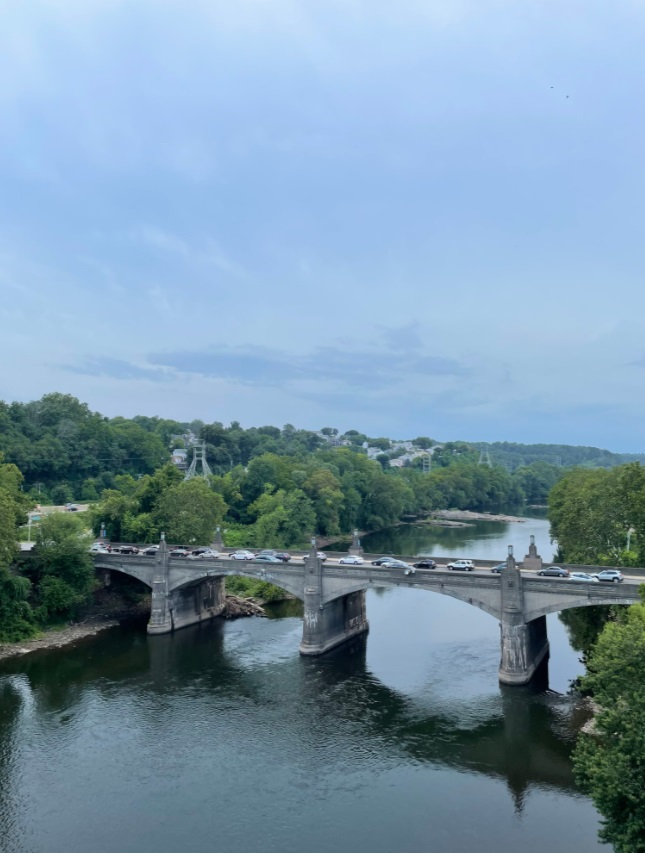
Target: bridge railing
[[442, 560]]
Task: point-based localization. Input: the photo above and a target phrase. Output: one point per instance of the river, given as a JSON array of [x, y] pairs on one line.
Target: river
[[223, 737]]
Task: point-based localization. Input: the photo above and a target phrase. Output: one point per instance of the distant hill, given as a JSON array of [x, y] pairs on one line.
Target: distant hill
[[512, 455]]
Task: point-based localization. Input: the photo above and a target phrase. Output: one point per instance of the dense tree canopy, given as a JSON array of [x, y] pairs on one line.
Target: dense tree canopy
[[609, 764], [595, 512]]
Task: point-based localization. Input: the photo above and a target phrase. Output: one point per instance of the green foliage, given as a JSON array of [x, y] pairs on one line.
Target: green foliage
[[16, 617], [61, 568], [59, 444], [561, 455], [189, 512], [252, 588], [592, 510], [609, 764]]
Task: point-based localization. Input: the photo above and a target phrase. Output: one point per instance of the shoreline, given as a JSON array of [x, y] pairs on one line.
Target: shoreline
[[57, 638]]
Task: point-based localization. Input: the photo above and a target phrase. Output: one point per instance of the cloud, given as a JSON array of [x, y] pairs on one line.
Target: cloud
[[367, 369], [114, 368]]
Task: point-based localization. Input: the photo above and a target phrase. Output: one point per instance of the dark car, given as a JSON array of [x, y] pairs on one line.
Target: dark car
[[151, 551], [179, 552], [126, 549], [284, 556], [382, 561], [498, 569], [554, 572], [425, 564], [267, 558]]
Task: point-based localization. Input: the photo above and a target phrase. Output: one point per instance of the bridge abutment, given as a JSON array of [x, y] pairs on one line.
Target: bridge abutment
[[182, 607], [197, 603], [523, 645], [327, 625]]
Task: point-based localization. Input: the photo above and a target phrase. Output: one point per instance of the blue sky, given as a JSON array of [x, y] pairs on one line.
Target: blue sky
[[421, 217]]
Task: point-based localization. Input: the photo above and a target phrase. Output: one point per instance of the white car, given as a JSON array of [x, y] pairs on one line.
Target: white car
[[242, 555], [351, 560], [583, 576], [461, 566], [204, 554], [99, 548]]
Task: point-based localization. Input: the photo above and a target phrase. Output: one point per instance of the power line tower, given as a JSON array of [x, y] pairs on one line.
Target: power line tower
[[199, 458], [484, 457], [426, 461]]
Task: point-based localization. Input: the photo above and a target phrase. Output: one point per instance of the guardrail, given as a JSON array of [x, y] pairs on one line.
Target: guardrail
[[443, 560]]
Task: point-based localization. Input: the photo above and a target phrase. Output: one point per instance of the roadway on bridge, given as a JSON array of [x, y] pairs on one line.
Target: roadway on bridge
[[479, 571]]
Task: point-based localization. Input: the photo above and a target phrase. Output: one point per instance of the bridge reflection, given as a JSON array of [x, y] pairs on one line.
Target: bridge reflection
[[524, 736]]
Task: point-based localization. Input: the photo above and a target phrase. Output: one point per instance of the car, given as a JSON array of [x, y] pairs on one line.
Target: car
[[283, 556], [351, 560], [554, 572], [425, 564], [242, 555], [100, 548], [400, 564], [610, 575], [71, 508], [583, 576], [180, 552], [461, 566], [125, 549], [267, 558], [497, 569], [320, 554], [151, 551], [203, 554], [381, 561]]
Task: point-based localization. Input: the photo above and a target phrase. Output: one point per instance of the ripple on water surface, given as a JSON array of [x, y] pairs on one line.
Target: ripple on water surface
[[224, 737]]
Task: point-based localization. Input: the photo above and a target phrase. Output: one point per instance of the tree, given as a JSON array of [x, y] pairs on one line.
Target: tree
[[61, 568], [609, 763], [592, 510], [189, 512]]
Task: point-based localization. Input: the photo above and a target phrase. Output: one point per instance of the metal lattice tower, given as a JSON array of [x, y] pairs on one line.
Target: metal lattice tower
[[199, 458], [484, 457], [426, 461]]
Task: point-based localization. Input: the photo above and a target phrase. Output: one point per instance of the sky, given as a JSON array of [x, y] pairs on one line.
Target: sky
[[411, 218]]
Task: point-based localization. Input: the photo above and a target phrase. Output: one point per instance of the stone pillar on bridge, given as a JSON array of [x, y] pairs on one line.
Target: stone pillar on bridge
[[161, 611], [188, 605], [327, 625], [524, 645], [355, 548], [532, 561], [218, 544]]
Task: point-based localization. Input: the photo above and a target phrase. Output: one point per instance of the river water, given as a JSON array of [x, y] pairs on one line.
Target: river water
[[224, 738]]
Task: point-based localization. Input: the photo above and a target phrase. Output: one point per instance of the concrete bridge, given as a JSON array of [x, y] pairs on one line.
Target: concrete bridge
[[185, 592]]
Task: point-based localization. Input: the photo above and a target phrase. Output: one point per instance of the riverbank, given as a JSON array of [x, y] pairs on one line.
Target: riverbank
[[467, 515], [56, 638]]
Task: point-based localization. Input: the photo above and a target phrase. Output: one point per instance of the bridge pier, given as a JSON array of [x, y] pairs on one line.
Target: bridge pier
[[182, 607], [327, 625], [524, 645]]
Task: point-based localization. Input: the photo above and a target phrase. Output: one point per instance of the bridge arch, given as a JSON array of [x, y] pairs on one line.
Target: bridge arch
[[283, 581], [465, 595], [140, 573], [559, 606]]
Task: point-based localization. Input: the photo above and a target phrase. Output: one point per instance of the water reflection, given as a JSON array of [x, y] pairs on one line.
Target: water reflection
[[523, 743], [485, 539]]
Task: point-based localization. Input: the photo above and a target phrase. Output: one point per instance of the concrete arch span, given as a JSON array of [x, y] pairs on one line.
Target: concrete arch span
[[559, 606], [288, 582], [474, 596]]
